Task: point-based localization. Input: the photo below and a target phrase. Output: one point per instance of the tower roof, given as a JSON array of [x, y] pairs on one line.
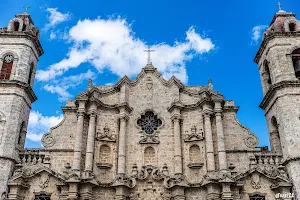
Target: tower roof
[[24, 14]]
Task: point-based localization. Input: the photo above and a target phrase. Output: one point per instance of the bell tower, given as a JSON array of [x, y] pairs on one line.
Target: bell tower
[[19, 52], [279, 66]]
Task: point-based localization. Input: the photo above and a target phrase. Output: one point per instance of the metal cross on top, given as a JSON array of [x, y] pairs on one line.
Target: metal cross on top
[[149, 54], [279, 5], [26, 7]]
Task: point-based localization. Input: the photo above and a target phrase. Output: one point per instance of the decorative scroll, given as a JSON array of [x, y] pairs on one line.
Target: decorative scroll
[[106, 135], [194, 136]]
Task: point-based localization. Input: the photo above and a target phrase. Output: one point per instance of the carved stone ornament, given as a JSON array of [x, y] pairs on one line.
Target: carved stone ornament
[[106, 135], [44, 181], [255, 182], [149, 123], [149, 83], [48, 140], [149, 139], [150, 173], [251, 141], [194, 136]]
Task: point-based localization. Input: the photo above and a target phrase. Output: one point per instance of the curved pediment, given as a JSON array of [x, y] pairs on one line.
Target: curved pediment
[[173, 80]]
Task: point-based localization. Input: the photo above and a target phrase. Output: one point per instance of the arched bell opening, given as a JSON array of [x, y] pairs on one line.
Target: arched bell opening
[[296, 62]]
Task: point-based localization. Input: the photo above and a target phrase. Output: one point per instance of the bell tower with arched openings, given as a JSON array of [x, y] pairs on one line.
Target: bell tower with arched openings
[[279, 66], [19, 52]]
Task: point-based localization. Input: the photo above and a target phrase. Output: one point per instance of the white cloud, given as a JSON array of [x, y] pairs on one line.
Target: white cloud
[[111, 44], [56, 17], [60, 86], [257, 32], [39, 124]]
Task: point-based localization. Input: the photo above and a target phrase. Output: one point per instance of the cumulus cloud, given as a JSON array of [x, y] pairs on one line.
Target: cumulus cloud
[[111, 44], [257, 32], [56, 18], [60, 86], [39, 124]]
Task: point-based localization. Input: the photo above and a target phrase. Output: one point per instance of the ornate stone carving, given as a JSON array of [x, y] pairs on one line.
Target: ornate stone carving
[[255, 182], [106, 135], [149, 83], [48, 140], [251, 141], [149, 139], [194, 136], [176, 180], [44, 181], [149, 123], [122, 179], [150, 173]]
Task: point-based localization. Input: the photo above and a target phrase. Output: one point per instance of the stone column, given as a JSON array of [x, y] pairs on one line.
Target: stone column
[[90, 142], [221, 138], [177, 144], [209, 140], [78, 137], [122, 144]]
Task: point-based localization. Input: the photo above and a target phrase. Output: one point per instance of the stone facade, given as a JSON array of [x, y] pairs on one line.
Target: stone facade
[[151, 138]]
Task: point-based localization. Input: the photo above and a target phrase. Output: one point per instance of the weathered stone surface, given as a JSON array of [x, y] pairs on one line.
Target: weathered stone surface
[[191, 146]]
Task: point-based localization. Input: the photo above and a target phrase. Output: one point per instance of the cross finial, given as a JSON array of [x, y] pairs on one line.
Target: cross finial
[[149, 54], [26, 7], [279, 6]]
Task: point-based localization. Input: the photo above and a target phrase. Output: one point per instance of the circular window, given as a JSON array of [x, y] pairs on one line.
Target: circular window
[[8, 58], [149, 122]]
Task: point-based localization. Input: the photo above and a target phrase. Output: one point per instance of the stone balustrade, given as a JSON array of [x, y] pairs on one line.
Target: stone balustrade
[[34, 156], [266, 158]]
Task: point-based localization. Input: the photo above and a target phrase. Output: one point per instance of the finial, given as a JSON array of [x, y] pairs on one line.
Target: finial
[[26, 8], [210, 84], [279, 6], [90, 84], [149, 54]]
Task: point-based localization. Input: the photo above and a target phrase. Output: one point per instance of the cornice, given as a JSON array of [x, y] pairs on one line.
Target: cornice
[[26, 35], [269, 95], [268, 38], [26, 87]]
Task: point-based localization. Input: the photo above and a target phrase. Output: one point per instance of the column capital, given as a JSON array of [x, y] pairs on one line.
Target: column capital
[[176, 117], [207, 113], [123, 116], [218, 113]]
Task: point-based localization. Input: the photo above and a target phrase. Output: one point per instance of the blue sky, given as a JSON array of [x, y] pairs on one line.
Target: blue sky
[[195, 40]]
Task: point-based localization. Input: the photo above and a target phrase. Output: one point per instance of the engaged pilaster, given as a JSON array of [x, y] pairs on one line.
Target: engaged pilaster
[[177, 144], [220, 136], [122, 144], [207, 112], [78, 137], [91, 139]]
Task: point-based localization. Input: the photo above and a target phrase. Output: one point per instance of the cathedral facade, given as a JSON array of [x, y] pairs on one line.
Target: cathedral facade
[[151, 138]]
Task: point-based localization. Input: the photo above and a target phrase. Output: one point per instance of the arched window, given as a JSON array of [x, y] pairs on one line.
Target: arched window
[[296, 62], [30, 73], [21, 133], [195, 156], [149, 156], [274, 136], [105, 154], [42, 197], [267, 72], [24, 27], [16, 26], [292, 27], [257, 197], [6, 67]]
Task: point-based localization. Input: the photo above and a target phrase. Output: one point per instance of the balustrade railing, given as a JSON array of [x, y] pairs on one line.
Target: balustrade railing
[[266, 158], [34, 156]]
